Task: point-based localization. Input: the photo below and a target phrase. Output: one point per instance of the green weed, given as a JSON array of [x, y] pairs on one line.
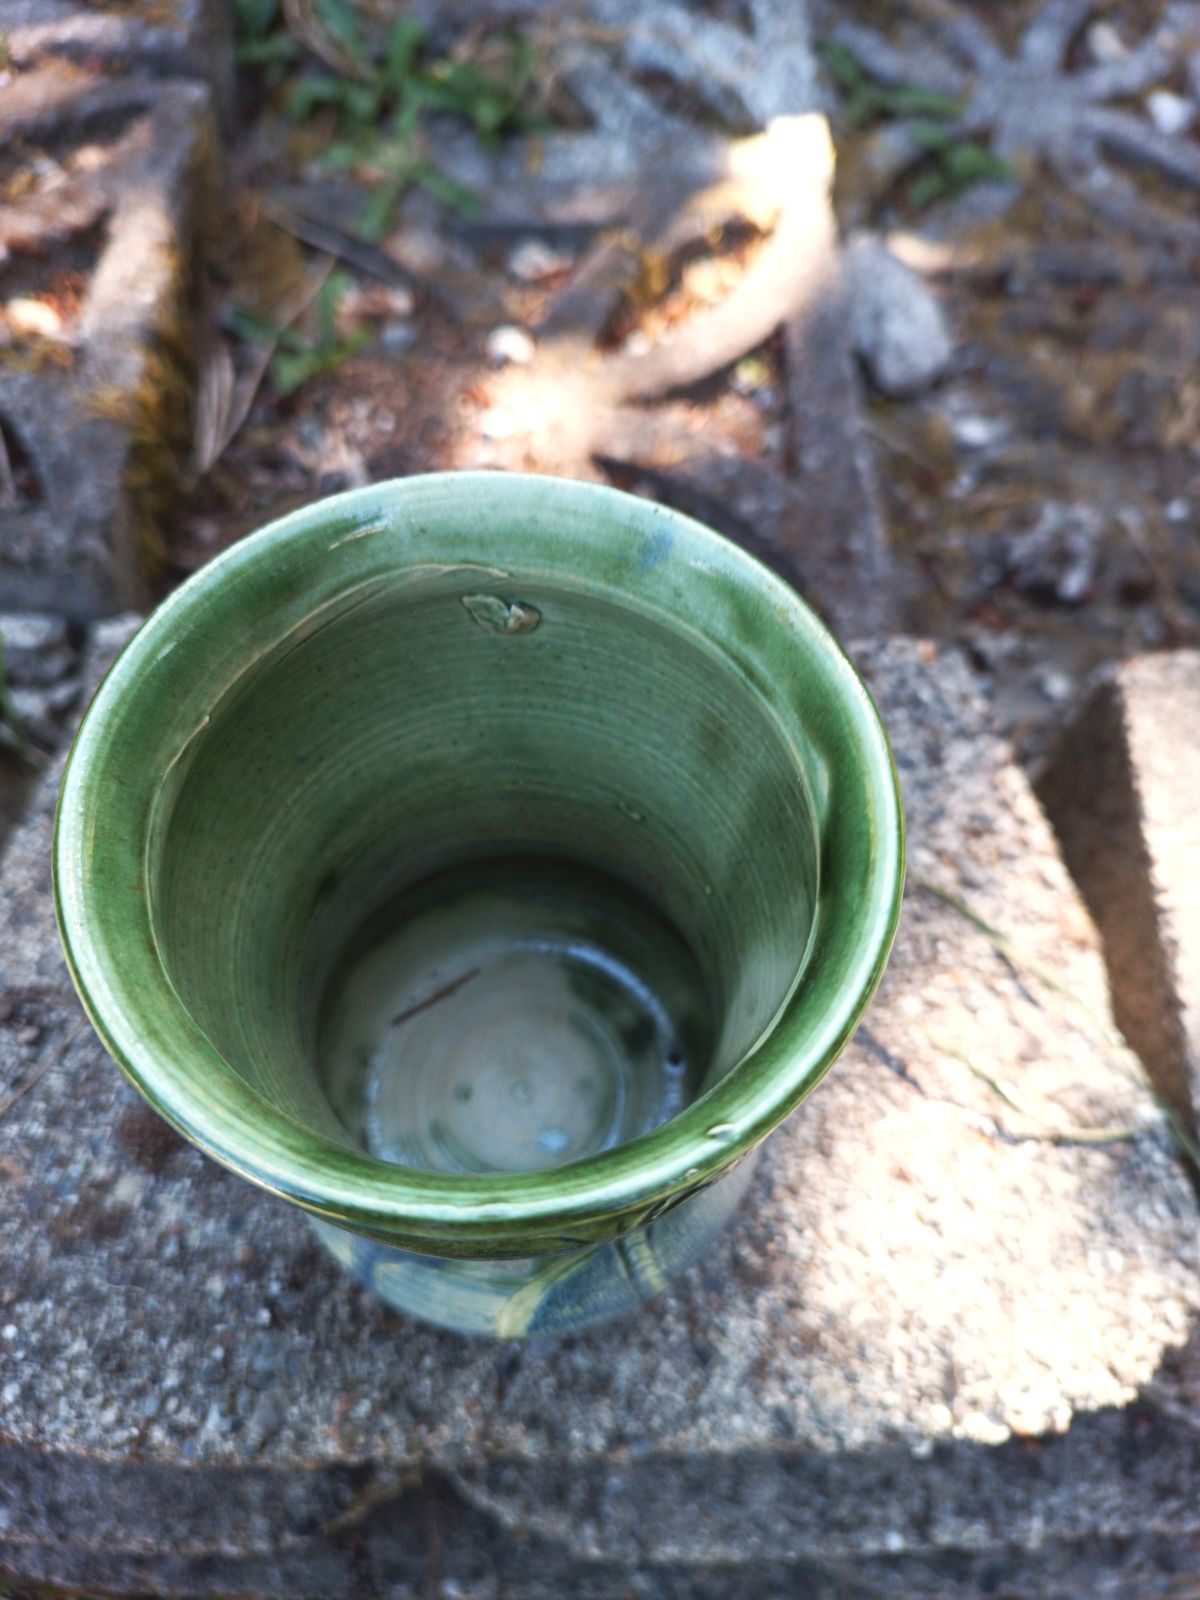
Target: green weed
[[298, 358], [950, 162], [378, 102]]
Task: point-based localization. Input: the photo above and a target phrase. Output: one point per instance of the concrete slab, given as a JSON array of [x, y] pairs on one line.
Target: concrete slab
[[96, 412], [953, 1333], [1123, 789]]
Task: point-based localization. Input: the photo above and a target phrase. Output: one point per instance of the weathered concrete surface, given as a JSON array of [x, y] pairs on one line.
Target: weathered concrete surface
[[950, 1346], [1123, 789], [427, 1540], [39, 687], [41, 682], [96, 411], [178, 39]]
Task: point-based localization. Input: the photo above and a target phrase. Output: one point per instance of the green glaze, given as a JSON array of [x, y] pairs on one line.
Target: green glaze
[[467, 668]]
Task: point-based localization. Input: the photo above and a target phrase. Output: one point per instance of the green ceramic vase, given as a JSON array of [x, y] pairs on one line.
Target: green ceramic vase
[[484, 864]]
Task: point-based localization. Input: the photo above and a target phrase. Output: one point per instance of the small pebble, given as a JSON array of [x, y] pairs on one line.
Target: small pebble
[[982, 1429], [216, 1419], [510, 345], [33, 318], [397, 336], [89, 158], [204, 533], [27, 632], [1152, 627], [977, 432], [1178, 510], [496, 423], [37, 710], [270, 1416], [1104, 43], [897, 324], [1058, 687], [128, 1188], [532, 261], [1170, 113]]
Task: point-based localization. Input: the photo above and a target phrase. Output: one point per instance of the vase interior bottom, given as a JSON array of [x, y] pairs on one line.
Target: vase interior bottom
[[512, 1014]]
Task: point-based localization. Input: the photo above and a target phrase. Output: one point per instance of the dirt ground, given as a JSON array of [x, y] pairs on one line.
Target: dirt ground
[[1041, 495]]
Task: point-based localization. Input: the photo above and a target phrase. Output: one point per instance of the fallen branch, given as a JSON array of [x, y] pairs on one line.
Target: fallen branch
[[588, 303], [793, 265], [356, 253], [443, 993]]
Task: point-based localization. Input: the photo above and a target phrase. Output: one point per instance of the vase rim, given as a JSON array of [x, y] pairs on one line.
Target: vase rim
[[106, 924]]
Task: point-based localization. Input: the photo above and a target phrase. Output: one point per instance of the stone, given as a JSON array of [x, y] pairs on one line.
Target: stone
[[1104, 43], [100, 425], [510, 345], [533, 261], [974, 431], [1057, 560], [1170, 113], [897, 325], [39, 712], [1122, 788], [39, 686], [950, 1347], [35, 648]]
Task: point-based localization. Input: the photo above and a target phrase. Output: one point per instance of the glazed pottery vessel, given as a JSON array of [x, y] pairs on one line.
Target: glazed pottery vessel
[[484, 864]]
